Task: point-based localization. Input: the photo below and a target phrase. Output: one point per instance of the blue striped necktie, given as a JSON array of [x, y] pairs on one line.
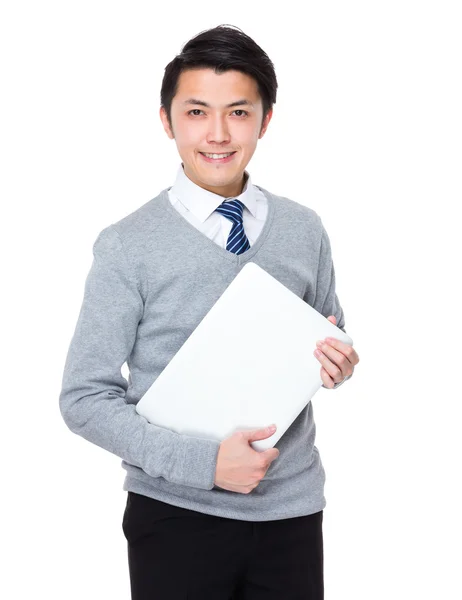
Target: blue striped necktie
[[237, 240]]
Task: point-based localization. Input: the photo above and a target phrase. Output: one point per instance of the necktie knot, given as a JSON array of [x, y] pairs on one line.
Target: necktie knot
[[237, 240], [232, 210]]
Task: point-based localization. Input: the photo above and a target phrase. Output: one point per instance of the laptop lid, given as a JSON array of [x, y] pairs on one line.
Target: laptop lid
[[248, 363]]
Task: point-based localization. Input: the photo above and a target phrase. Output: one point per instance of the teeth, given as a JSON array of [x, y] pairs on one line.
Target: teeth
[[216, 155]]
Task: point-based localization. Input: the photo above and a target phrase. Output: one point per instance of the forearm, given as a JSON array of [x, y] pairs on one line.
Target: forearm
[[92, 400]]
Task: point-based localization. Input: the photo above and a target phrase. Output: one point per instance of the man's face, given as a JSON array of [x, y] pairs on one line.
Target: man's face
[[216, 128]]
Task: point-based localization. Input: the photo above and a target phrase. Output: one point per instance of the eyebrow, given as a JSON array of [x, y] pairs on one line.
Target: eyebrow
[[242, 102]]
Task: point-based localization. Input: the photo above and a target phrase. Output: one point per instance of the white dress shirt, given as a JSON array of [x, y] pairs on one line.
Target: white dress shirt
[[198, 207]]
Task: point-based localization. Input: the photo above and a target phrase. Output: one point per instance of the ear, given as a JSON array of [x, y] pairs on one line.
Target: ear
[[165, 123], [265, 124]]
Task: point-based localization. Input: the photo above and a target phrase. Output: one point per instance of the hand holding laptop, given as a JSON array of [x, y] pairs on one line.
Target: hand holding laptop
[[240, 468], [338, 359]]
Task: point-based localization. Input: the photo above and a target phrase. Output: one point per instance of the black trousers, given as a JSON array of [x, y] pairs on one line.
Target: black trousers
[[180, 554]]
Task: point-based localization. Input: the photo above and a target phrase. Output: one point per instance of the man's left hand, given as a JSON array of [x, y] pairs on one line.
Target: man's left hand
[[337, 359]]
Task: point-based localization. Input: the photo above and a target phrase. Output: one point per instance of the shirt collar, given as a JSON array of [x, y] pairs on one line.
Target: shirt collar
[[202, 202]]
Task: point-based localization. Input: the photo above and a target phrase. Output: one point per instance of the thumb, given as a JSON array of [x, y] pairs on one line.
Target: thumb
[[332, 319], [259, 434]]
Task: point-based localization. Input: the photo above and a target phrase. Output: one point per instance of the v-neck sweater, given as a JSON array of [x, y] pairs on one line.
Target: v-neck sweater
[[153, 278]]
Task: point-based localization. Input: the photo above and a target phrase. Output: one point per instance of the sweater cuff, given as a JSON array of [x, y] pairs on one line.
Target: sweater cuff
[[336, 385], [196, 462]]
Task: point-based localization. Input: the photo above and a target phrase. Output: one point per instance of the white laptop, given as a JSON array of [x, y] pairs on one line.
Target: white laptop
[[249, 363]]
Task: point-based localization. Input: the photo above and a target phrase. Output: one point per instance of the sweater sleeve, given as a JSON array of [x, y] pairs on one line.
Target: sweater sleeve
[[326, 301], [92, 399]]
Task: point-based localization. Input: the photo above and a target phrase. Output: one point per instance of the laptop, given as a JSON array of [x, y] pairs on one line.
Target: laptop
[[249, 363]]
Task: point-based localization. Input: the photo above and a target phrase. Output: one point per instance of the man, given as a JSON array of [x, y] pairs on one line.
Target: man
[[205, 520]]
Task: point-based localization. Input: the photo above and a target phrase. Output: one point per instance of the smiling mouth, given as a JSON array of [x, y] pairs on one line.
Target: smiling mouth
[[217, 155]]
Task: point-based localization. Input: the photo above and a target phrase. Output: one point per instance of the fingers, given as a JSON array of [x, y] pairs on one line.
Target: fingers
[[326, 378], [345, 349], [336, 364]]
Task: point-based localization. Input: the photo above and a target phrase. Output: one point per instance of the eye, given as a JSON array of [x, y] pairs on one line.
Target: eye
[[238, 110]]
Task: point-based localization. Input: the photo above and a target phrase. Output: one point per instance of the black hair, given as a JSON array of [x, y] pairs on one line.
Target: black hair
[[222, 48]]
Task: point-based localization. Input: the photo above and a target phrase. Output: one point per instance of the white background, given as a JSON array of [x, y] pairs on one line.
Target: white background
[[367, 131]]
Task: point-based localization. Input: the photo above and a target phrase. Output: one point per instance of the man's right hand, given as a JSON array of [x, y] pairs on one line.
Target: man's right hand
[[240, 468]]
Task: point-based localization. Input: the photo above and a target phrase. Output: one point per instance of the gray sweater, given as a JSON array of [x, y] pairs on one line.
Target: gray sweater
[[153, 278]]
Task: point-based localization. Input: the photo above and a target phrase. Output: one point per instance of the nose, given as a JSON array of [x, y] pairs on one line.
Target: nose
[[218, 130]]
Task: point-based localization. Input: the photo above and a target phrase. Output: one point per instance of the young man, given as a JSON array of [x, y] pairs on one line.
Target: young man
[[205, 520]]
